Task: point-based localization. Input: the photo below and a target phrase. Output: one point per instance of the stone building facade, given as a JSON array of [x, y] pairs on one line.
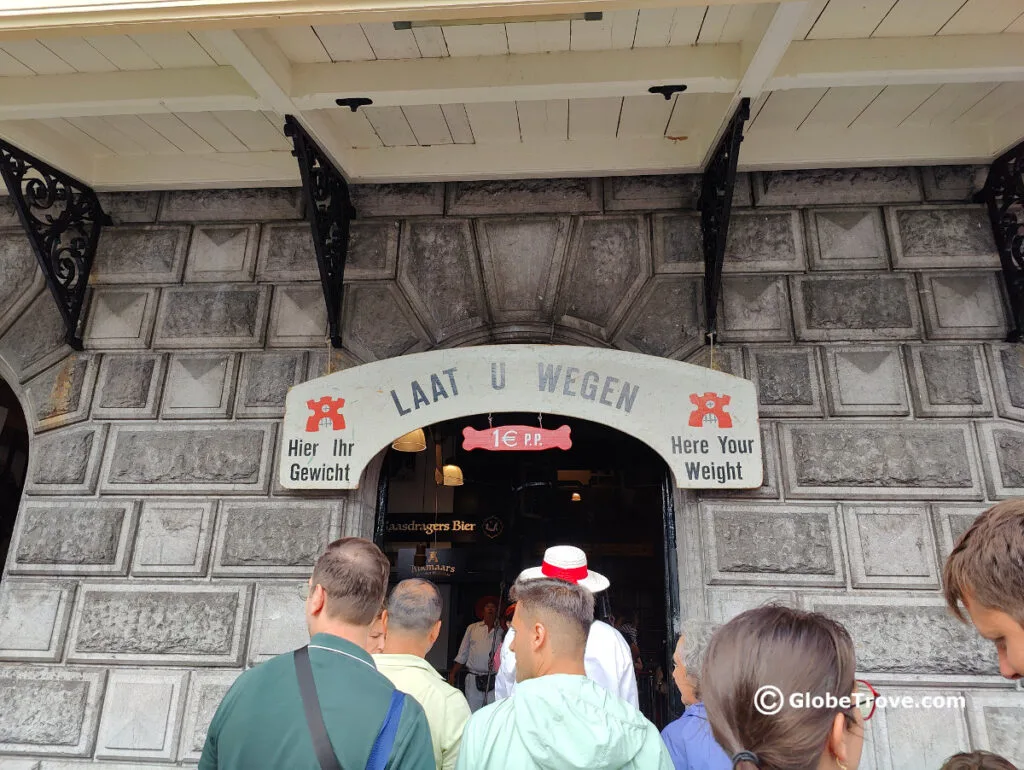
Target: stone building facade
[[156, 556]]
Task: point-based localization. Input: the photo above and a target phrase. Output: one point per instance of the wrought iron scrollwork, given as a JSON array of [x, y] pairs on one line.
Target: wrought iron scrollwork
[[62, 218], [717, 187], [1003, 195], [330, 211]]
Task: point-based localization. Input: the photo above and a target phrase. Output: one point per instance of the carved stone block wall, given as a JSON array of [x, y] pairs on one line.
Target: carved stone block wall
[[155, 556]]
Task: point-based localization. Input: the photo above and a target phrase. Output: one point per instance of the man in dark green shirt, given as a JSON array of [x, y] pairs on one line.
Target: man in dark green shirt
[[261, 724]]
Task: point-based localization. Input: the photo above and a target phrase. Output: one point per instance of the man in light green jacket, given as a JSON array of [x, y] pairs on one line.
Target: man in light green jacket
[[413, 622], [557, 718]]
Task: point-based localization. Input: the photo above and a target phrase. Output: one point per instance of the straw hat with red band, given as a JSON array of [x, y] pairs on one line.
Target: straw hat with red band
[[568, 563]]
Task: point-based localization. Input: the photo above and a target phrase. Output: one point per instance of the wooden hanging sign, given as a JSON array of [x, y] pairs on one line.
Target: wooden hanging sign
[[517, 438]]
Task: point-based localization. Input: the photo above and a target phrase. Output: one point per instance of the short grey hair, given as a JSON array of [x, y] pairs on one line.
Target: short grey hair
[[414, 606], [694, 641], [569, 602]]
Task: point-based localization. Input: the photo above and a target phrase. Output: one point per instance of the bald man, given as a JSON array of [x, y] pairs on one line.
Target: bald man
[[413, 625]]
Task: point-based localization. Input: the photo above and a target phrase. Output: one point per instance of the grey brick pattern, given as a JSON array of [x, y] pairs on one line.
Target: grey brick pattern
[[66, 461], [129, 386], [199, 385], [521, 263], [121, 319], [439, 274], [963, 305], [609, 261], [937, 236], [272, 538], [1007, 367], [20, 277], [865, 381], [49, 711], [896, 634], [665, 320], [197, 625], [949, 381], [788, 381], [891, 547], [34, 620], [841, 186], [73, 537], [398, 200], [61, 395], [207, 458], [756, 544], [225, 315], [872, 460], [525, 196], [222, 253], [995, 718], [755, 309], [155, 556], [206, 689], [856, 307], [174, 538], [140, 254], [141, 713], [846, 239], [35, 341], [231, 205]]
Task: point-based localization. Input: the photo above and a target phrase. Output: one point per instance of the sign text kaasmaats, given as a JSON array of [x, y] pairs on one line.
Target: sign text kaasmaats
[[702, 422]]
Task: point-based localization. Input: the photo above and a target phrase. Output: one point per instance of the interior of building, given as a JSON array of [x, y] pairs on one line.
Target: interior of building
[[13, 462], [604, 495]]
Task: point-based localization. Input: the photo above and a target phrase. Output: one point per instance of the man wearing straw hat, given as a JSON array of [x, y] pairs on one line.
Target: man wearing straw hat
[[607, 659]]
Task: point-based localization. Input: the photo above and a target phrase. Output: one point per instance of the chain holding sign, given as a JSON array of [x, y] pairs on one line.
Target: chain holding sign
[[517, 438]]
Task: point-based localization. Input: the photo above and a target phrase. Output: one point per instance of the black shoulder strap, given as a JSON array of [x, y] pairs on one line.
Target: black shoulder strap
[[314, 718]]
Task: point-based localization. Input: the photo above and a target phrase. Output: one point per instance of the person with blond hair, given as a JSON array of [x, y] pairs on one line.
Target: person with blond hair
[[756, 663], [984, 581]]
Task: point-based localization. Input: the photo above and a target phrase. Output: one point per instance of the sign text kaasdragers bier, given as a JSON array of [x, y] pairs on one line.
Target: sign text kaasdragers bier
[[702, 422]]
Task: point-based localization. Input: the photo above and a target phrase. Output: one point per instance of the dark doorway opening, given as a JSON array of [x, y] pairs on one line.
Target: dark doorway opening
[[13, 462], [606, 494]]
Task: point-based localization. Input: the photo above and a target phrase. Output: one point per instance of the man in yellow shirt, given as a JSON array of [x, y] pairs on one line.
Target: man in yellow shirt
[[413, 621]]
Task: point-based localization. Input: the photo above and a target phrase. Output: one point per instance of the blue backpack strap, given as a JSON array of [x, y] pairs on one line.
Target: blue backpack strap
[[381, 751]]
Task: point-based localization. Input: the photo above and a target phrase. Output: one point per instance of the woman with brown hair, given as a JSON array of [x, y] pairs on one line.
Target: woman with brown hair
[[779, 689]]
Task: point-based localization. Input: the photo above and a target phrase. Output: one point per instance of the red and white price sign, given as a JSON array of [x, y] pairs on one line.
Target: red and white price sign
[[516, 438]]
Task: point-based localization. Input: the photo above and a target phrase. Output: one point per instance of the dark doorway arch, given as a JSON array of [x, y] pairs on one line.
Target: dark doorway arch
[[13, 462], [513, 504]]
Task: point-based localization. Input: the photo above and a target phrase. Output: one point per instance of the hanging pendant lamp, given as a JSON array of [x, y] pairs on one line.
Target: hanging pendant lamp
[[413, 441], [452, 475]]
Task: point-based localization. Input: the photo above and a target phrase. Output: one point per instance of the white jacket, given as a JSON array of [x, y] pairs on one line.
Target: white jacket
[[608, 662]]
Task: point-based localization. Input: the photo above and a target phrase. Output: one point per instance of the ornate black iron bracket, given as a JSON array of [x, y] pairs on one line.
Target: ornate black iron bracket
[[62, 218], [715, 209], [330, 211], [1003, 195]]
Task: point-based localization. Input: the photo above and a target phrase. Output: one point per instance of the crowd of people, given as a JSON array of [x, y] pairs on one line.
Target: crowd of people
[[564, 695]]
